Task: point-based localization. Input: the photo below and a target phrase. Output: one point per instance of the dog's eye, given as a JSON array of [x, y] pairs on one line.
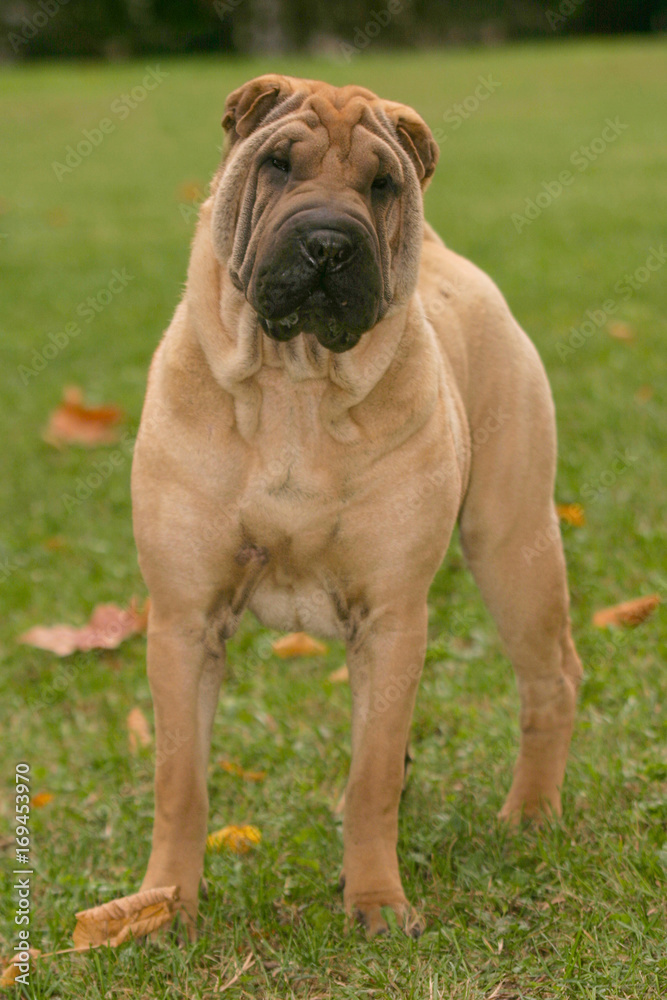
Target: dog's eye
[[280, 164], [381, 183]]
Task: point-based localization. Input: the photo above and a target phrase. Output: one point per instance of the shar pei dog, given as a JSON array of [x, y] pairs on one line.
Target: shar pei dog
[[329, 361]]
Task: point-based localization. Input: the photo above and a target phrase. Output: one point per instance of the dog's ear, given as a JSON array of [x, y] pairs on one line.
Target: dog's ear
[[416, 139], [246, 107]]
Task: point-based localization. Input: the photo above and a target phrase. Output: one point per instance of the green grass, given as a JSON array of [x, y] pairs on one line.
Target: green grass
[[573, 910]]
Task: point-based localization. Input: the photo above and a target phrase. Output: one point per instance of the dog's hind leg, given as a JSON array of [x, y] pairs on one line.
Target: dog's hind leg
[[511, 539]]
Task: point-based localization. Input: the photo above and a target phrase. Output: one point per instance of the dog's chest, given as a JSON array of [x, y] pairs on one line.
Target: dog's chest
[[290, 508], [295, 477]]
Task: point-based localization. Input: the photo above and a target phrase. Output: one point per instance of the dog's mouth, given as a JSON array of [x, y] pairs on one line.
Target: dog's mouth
[[319, 274], [317, 316]]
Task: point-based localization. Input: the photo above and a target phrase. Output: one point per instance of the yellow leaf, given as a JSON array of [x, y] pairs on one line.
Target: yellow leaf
[[128, 917], [191, 191], [9, 974], [11, 970], [340, 676], [628, 614], [621, 331], [236, 838], [240, 772], [41, 799], [139, 729], [298, 644], [571, 513]]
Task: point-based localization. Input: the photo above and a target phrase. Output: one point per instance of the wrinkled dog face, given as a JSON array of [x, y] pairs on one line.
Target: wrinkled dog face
[[318, 211]]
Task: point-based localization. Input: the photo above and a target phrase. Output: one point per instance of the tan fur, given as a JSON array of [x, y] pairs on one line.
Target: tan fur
[[321, 490]]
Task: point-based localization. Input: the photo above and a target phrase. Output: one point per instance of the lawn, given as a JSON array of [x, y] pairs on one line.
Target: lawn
[[576, 909]]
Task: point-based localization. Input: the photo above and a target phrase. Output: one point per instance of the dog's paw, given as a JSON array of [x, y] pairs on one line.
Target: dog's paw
[[516, 811], [373, 911], [181, 930]]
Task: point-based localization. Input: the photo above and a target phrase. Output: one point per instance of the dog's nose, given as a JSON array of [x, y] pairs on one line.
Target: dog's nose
[[328, 248]]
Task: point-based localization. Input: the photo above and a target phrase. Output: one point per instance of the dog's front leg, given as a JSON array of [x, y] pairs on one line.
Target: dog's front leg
[[385, 667], [184, 675]]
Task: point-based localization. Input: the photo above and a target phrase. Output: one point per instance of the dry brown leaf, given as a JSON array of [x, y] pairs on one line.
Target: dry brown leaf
[[9, 974], [240, 772], [109, 625], [571, 513], [340, 676], [644, 393], [621, 331], [138, 729], [298, 644], [236, 838], [628, 614], [41, 799], [74, 422], [11, 970], [129, 917]]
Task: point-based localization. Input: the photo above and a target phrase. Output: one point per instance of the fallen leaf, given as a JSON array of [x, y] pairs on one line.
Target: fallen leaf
[[74, 422], [41, 799], [571, 513], [236, 838], [129, 917], [56, 543], [621, 331], [139, 729], [11, 970], [191, 191], [9, 974], [298, 644], [240, 772], [341, 675], [629, 613], [644, 393], [109, 625]]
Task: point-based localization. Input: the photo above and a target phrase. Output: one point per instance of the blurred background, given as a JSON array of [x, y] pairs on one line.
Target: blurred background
[[118, 29]]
